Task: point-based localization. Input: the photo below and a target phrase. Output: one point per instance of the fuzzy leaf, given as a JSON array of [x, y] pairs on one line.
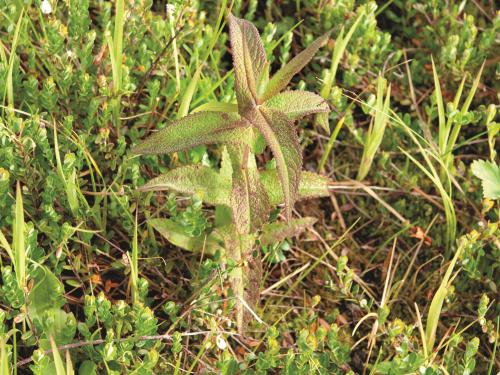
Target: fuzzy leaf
[[226, 168], [279, 231], [311, 185], [200, 128], [297, 104], [489, 173], [249, 60], [282, 78], [175, 234], [249, 200], [215, 106], [282, 139], [194, 179]]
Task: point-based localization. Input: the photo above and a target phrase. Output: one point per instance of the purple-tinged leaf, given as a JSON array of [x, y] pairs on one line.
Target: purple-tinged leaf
[[311, 185], [281, 137], [249, 60], [297, 104], [279, 231], [191, 180], [249, 201], [200, 128], [282, 78]]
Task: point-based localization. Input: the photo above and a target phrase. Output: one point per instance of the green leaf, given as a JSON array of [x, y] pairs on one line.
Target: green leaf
[[191, 180], [199, 128], [279, 231], [72, 192], [176, 235], [297, 104], [311, 185], [47, 294], [489, 173], [249, 60], [282, 78], [282, 139], [87, 368], [249, 200], [323, 121]]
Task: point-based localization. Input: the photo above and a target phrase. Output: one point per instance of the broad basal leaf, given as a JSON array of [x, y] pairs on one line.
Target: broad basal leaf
[[489, 173], [48, 293], [200, 128], [249, 60], [176, 235], [282, 78], [282, 139], [279, 231], [249, 200], [311, 185], [297, 104], [194, 179]]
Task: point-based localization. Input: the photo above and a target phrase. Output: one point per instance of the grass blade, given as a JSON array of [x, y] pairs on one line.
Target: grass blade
[[58, 362], [4, 360], [18, 240], [329, 146], [443, 136], [5, 244], [134, 266], [69, 364]]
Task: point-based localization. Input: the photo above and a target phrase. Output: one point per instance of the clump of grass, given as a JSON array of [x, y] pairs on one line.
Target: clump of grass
[[337, 53], [115, 47], [449, 126], [329, 79], [428, 168], [9, 87]]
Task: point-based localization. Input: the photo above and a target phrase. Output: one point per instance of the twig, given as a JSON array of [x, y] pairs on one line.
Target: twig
[[80, 344]]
